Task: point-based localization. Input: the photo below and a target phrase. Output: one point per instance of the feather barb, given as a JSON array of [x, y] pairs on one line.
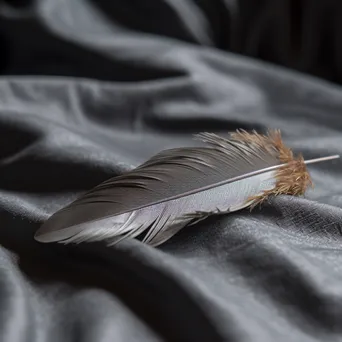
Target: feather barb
[[292, 178]]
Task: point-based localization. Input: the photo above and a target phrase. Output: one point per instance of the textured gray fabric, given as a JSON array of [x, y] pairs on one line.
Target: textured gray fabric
[[91, 89]]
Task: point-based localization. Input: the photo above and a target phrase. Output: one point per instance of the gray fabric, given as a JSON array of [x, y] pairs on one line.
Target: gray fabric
[[91, 89]]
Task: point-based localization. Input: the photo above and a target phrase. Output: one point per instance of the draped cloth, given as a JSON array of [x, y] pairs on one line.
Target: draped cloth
[[90, 89]]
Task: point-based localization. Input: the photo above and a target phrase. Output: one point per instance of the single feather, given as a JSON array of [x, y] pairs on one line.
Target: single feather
[[179, 187]]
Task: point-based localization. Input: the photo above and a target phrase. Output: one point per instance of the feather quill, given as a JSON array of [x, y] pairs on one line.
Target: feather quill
[[180, 187]]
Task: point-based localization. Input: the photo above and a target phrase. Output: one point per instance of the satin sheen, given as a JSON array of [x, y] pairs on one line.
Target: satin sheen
[[91, 89]]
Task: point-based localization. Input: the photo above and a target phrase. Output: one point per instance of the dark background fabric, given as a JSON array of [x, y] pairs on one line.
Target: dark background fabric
[[90, 89]]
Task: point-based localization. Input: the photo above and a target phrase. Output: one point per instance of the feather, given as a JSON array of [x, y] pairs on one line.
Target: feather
[[180, 187]]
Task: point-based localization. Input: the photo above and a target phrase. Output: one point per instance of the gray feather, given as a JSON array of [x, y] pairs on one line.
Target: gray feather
[[171, 190]]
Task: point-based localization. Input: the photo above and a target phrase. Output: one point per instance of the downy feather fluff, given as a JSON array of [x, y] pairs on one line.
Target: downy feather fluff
[[179, 187]]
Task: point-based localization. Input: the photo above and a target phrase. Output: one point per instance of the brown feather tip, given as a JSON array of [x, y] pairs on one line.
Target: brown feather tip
[[292, 178]]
